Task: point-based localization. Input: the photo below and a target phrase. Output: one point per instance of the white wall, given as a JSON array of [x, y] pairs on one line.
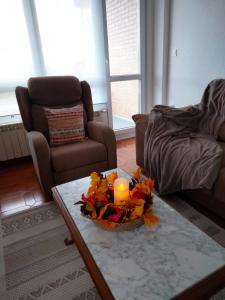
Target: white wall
[[158, 51], [148, 58], [197, 31], [157, 41]]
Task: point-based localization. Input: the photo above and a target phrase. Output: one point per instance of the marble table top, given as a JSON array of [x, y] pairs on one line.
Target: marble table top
[[156, 263]]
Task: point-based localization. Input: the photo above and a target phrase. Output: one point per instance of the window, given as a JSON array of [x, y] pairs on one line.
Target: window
[[51, 37], [125, 95], [124, 60], [67, 43], [56, 37], [123, 36]]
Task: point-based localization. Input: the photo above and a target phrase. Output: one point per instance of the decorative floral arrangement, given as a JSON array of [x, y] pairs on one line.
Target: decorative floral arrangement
[[100, 203]]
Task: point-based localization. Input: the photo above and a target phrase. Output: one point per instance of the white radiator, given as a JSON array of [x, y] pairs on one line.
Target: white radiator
[[13, 141], [101, 116]]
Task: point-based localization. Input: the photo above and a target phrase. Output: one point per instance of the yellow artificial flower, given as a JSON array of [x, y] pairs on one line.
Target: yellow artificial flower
[[94, 179], [137, 202], [103, 186], [145, 186], [138, 206], [90, 207], [137, 173], [137, 212]]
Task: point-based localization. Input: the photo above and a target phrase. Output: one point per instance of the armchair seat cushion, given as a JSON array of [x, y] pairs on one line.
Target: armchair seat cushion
[[76, 155]]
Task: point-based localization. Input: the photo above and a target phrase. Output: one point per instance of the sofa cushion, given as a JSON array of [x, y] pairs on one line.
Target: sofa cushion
[[65, 125], [79, 154]]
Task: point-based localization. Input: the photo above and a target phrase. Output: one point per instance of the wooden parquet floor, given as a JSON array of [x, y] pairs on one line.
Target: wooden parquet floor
[[19, 187]]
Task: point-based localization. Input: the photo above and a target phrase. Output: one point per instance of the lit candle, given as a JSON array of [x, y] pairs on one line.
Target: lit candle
[[121, 191]]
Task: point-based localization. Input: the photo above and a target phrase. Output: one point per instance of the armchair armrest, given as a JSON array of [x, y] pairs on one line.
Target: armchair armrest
[[105, 135], [42, 161]]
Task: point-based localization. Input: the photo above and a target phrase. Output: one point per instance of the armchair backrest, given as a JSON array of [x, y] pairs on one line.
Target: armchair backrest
[[51, 92]]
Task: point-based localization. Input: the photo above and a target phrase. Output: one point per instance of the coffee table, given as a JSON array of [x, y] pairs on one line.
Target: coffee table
[[173, 260]]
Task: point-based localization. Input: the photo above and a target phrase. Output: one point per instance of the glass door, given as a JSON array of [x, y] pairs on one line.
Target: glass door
[[123, 33]]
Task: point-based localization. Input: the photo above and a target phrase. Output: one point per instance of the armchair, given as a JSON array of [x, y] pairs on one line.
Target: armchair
[[56, 165]]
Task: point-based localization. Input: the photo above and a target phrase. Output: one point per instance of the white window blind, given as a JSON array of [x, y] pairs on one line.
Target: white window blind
[[51, 37], [16, 63], [72, 41]]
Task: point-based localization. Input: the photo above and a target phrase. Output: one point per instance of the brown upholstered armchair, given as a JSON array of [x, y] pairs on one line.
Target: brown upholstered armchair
[[56, 165]]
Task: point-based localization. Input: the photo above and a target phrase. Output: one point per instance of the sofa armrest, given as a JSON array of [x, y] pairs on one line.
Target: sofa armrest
[[141, 122], [221, 135], [40, 152], [105, 135]]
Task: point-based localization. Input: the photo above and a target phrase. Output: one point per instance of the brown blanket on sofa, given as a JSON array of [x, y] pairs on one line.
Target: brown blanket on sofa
[[181, 151]]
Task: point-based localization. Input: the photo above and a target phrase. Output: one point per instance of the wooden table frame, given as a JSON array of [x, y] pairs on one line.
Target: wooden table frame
[[93, 269], [204, 289]]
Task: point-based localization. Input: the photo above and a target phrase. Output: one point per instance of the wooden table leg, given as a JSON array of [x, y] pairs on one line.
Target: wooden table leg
[[68, 241]]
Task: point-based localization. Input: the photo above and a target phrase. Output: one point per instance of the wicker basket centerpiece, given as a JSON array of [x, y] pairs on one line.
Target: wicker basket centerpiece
[[113, 206]]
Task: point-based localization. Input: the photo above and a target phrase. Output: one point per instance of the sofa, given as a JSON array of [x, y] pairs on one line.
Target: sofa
[[213, 200]]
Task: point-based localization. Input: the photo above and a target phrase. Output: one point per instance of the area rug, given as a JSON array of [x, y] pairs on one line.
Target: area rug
[[205, 224], [37, 263]]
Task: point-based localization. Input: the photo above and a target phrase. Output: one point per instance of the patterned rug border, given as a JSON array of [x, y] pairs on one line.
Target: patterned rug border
[[48, 212], [29, 218], [202, 222], [56, 275]]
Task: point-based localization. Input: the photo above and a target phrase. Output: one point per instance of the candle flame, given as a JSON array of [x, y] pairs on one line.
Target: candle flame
[[121, 187]]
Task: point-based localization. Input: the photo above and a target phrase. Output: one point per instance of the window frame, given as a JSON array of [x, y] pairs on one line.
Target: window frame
[[141, 76], [30, 15]]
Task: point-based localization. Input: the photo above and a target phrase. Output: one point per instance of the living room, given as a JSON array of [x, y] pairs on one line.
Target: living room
[[119, 58]]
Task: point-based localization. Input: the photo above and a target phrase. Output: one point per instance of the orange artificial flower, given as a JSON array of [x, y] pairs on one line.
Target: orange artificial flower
[[101, 196], [102, 211], [109, 224], [150, 183], [99, 199], [91, 191], [136, 193], [150, 219], [112, 177]]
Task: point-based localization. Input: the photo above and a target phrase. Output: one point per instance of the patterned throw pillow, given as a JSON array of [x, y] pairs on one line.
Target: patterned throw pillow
[[65, 125]]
